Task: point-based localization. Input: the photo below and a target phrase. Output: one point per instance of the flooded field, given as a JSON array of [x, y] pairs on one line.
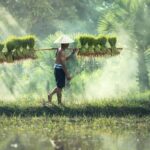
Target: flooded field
[[101, 141], [117, 125]]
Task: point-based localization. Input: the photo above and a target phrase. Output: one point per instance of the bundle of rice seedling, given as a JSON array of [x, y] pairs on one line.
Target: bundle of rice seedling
[[1, 47], [11, 45], [20, 48], [2, 56], [31, 41], [17, 52], [102, 40], [112, 42], [91, 45], [83, 40], [28, 43]]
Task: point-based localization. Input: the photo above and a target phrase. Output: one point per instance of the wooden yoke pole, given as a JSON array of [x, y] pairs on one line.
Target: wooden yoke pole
[[49, 49]]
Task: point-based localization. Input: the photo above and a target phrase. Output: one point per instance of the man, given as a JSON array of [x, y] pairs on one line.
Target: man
[[60, 70]]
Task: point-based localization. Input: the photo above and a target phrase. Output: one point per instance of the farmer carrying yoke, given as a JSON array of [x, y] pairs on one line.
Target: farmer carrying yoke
[[60, 70]]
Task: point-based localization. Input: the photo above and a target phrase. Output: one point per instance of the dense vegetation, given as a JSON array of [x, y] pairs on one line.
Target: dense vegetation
[[42, 18], [131, 17]]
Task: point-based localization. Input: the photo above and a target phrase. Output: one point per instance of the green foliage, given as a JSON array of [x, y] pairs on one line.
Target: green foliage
[[31, 41], [20, 47], [94, 44], [131, 17], [102, 40], [12, 43], [2, 56], [1, 47], [83, 40], [43, 18], [112, 41], [24, 42]]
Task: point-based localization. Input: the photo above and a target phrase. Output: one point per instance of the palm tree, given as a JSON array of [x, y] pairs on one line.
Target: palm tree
[[132, 16]]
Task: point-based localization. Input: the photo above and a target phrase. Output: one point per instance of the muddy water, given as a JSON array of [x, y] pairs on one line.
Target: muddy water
[[102, 141]]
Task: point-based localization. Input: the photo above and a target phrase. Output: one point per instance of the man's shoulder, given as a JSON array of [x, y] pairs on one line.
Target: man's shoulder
[[60, 51]]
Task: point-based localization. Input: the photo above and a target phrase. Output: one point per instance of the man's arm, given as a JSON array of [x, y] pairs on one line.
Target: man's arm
[[73, 52]]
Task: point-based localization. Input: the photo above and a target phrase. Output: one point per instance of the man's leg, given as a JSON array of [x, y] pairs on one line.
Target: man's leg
[[51, 94], [59, 95]]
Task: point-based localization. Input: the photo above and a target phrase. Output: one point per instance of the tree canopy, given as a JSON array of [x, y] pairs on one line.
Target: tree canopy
[[48, 16]]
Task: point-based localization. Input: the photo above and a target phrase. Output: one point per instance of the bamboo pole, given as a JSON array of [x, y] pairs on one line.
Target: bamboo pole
[[80, 54], [49, 49]]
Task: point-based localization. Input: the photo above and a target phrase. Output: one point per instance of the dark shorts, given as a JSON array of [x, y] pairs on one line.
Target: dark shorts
[[59, 77]]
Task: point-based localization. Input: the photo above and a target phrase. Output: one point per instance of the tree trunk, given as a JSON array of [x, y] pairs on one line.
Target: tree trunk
[[143, 71]]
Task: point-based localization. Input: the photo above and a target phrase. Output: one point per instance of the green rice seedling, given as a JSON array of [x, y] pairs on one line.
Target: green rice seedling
[[1, 47], [98, 48], [90, 40], [86, 47], [31, 41], [17, 53], [24, 42], [11, 45], [2, 56], [102, 40], [14, 45], [83, 50], [95, 41], [92, 48], [82, 40], [24, 45], [27, 44], [112, 41], [78, 44], [87, 42]]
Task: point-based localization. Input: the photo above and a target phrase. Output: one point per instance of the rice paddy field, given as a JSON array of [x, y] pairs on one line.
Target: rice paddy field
[[104, 46], [101, 124]]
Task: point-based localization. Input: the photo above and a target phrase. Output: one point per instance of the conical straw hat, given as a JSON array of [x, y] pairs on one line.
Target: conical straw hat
[[64, 39]]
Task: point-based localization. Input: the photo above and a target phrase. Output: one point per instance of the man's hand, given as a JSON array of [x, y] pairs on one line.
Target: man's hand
[[75, 50]]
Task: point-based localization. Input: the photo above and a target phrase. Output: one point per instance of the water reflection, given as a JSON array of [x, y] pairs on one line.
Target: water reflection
[[103, 141]]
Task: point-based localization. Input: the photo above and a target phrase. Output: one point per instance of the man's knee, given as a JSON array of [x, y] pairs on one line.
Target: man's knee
[[59, 90]]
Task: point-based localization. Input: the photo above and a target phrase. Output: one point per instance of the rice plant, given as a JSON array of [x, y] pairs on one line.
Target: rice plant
[[97, 48], [1, 47], [11, 45], [112, 41], [96, 44], [20, 47], [102, 40], [30, 42], [2, 56]]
